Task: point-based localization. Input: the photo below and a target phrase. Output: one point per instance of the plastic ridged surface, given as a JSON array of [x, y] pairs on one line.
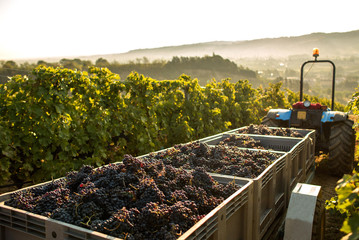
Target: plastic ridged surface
[[295, 151], [266, 178], [206, 230], [237, 203], [280, 148], [22, 221], [281, 164], [77, 233], [211, 227]]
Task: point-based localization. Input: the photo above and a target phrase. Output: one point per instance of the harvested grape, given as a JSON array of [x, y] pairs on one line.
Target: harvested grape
[[241, 141], [265, 130], [136, 199], [223, 159]]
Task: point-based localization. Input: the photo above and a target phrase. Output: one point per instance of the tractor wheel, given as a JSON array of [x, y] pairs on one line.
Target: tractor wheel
[[341, 148], [270, 122], [319, 221]]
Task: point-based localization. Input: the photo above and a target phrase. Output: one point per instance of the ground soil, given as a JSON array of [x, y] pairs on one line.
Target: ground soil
[[333, 222]]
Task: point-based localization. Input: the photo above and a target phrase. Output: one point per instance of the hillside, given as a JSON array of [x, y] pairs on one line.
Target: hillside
[[330, 44], [264, 60]]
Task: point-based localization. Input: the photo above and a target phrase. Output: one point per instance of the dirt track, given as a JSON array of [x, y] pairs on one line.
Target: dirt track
[[333, 223]]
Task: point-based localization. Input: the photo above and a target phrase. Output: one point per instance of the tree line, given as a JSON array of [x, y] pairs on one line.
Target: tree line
[[203, 68]]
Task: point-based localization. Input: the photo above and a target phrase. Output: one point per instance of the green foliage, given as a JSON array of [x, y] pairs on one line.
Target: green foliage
[[353, 104], [347, 203], [57, 119], [272, 97], [347, 200]]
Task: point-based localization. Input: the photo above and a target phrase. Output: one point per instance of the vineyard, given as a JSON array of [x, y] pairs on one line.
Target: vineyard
[[58, 122], [345, 203]]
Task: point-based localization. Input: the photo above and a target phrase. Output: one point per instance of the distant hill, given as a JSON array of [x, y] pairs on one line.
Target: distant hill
[[330, 45]]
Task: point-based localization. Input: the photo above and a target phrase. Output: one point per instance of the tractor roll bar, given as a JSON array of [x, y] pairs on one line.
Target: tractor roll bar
[[301, 78]]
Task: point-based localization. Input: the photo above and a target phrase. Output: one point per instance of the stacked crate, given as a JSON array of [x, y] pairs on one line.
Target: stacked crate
[[247, 214], [299, 167], [271, 187]]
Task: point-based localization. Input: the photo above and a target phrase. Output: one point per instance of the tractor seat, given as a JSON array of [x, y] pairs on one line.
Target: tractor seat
[[313, 106]]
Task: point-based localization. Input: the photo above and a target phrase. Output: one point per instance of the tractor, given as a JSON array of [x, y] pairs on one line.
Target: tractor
[[335, 135]]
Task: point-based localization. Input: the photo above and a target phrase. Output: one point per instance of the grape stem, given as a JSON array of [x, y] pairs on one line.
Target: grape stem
[[87, 223]]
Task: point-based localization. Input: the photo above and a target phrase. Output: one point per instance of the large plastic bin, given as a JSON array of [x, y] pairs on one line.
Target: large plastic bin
[[308, 134], [269, 197], [302, 166], [275, 143], [296, 158], [272, 188], [230, 220], [306, 161]]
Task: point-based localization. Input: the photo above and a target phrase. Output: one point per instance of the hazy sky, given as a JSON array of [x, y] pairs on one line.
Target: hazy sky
[[45, 28]]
